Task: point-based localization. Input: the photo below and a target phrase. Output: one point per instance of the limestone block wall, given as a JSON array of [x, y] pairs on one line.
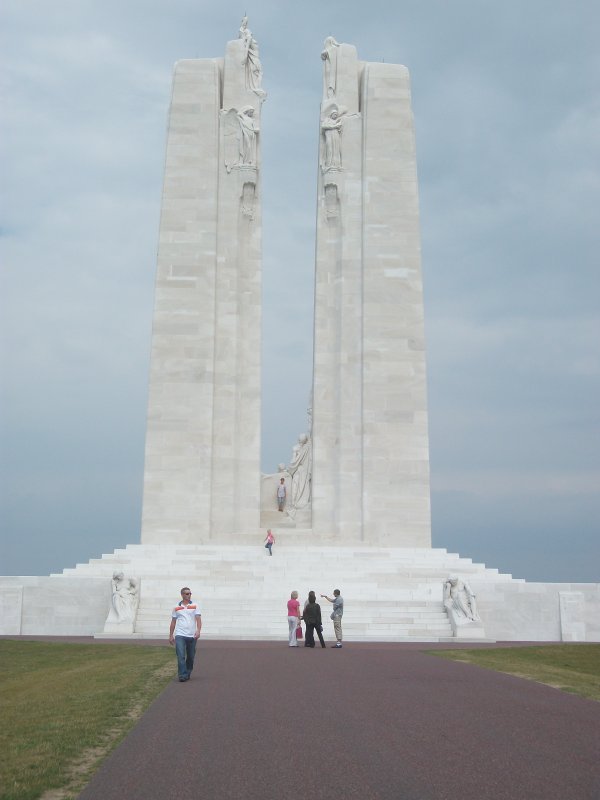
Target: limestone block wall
[[38, 606], [179, 435], [531, 611], [395, 434]]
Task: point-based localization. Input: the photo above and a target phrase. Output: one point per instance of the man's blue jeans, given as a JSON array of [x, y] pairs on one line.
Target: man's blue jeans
[[185, 647]]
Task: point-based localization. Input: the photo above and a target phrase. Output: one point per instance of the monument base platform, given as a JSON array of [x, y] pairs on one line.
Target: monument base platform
[[390, 594]]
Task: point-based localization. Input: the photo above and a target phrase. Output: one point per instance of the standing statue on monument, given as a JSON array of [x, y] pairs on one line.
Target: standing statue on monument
[[124, 597], [300, 470], [251, 61], [247, 139], [329, 56], [331, 128]]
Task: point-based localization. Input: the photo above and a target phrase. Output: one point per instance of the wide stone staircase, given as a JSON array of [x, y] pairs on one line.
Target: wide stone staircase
[[390, 594]]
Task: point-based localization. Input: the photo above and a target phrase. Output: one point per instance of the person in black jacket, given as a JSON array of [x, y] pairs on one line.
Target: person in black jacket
[[312, 618]]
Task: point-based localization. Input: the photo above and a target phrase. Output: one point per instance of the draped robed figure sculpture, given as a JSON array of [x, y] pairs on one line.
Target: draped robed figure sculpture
[[300, 470]]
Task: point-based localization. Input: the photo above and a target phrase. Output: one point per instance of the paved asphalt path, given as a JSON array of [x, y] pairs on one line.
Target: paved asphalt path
[[371, 721]]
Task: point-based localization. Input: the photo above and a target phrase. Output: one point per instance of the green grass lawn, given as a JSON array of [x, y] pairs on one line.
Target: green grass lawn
[[571, 667], [64, 706]]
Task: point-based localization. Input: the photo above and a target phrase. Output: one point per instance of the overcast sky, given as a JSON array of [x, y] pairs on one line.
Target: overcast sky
[[507, 116]]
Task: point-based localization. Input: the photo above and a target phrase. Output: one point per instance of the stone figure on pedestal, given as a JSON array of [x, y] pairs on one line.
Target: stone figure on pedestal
[[459, 599], [300, 470], [329, 56], [331, 129], [251, 60], [240, 137], [247, 136], [124, 604], [124, 596]]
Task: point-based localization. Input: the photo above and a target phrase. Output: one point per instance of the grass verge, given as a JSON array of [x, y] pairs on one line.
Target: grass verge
[[65, 706], [571, 667]]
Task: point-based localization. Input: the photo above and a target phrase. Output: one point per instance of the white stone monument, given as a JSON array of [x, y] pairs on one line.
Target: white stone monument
[[357, 513]]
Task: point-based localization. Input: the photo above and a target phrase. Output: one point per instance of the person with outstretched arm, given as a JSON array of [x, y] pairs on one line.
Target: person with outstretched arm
[[336, 615]]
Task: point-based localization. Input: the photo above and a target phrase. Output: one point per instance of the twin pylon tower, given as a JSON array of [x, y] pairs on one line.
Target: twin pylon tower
[[369, 476]]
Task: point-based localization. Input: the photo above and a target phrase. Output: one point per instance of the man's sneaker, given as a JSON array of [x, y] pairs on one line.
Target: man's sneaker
[[339, 644]]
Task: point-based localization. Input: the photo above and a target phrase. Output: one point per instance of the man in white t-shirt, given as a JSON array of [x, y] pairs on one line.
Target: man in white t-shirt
[[186, 624]]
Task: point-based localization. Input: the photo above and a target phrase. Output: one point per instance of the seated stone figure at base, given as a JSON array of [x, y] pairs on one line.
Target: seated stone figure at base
[[459, 599]]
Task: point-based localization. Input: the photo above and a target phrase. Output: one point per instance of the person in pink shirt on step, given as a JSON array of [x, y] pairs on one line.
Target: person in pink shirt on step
[[270, 541]]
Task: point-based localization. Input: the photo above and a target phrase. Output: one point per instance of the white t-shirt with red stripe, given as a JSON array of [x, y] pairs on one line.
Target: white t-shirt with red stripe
[[185, 616]]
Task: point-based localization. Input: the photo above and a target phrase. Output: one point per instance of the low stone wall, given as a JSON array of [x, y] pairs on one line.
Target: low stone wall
[[53, 606], [531, 611]]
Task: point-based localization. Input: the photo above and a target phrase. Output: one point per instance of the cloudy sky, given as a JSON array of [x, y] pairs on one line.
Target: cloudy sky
[[507, 116]]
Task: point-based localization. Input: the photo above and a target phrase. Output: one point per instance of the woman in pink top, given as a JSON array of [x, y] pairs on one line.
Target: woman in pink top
[[270, 541], [293, 609]]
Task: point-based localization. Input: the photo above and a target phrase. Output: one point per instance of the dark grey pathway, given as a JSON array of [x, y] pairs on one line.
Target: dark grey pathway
[[375, 722]]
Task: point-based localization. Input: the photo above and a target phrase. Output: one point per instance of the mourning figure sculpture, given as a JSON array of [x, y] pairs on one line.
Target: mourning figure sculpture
[[331, 130], [247, 136], [459, 600], [300, 470]]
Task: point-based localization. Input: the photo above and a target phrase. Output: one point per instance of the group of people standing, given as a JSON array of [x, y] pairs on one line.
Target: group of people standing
[[311, 616], [186, 624]]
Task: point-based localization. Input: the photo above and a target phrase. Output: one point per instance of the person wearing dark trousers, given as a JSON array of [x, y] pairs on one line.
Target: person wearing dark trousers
[[312, 618], [186, 624]]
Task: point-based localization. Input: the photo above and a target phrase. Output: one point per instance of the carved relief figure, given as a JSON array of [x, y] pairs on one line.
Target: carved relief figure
[[248, 195], [300, 470], [247, 139], [124, 597], [329, 56], [240, 131], [459, 599], [331, 128], [332, 205], [250, 59]]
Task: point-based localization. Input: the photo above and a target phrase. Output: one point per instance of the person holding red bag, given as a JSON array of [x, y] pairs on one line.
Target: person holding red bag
[[293, 610]]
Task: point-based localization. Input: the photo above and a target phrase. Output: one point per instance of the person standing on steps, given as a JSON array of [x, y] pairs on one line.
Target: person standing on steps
[[312, 618], [336, 615], [281, 493], [186, 624], [270, 541]]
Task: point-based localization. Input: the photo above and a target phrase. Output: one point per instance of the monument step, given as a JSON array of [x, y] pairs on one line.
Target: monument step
[[284, 561], [275, 519], [360, 611], [391, 594], [221, 619]]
